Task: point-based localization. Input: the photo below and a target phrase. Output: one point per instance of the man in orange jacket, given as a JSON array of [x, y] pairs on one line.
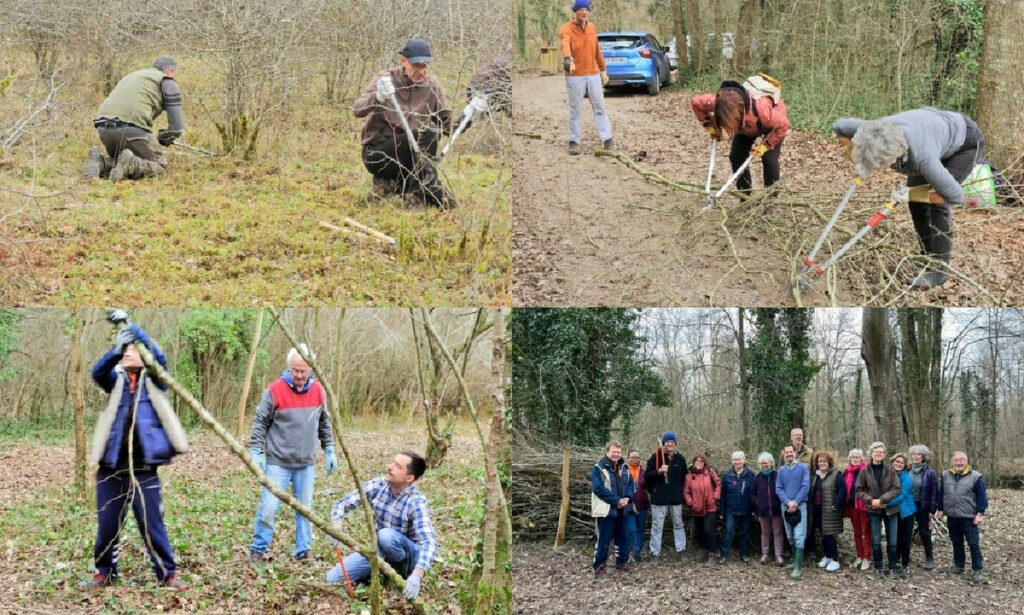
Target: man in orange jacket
[[585, 73]]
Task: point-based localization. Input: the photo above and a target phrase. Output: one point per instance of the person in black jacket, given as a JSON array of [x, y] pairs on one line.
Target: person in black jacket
[[666, 470]]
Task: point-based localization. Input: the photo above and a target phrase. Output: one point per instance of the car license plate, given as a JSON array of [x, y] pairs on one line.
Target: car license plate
[[615, 60]]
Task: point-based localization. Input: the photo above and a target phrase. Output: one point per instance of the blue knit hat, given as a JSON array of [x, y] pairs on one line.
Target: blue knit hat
[[580, 4], [668, 434]]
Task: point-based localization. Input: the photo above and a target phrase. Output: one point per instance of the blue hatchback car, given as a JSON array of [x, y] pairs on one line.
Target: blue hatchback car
[[635, 59]]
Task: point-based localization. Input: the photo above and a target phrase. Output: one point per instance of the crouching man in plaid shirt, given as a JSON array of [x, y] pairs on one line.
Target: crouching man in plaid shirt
[[405, 535]]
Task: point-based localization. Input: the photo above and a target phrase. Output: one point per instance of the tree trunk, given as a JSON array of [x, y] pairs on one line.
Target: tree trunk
[[878, 349], [696, 37], [680, 33], [743, 55], [1001, 81], [243, 399], [921, 370], [741, 351], [78, 400], [339, 356]]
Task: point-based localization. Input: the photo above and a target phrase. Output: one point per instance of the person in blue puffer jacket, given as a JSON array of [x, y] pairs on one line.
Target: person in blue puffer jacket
[[136, 433], [908, 510], [736, 508]]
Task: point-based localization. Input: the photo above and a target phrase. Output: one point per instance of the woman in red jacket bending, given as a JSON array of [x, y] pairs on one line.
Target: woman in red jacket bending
[[747, 111]]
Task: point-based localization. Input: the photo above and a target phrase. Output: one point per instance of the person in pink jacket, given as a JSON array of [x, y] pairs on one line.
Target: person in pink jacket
[[701, 491], [746, 112]]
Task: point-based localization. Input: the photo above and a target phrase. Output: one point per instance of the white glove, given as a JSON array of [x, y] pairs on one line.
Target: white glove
[[385, 88], [479, 103], [900, 195]]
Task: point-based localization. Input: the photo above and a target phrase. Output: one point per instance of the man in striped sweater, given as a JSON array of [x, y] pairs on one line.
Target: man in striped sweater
[[291, 417]]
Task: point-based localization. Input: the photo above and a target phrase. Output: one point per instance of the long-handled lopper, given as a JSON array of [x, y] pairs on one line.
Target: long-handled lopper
[[743, 167], [711, 170], [809, 261], [900, 195]]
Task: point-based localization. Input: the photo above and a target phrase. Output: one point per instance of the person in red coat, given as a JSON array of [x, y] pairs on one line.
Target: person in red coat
[[702, 490], [747, 112]]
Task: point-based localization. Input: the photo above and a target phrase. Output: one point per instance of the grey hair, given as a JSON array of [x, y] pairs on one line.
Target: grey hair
[[876, 145], [922, 450], [855, 451], [739, 454], [766, 456], [875, 445], [955, 453], [164, 63], [293, 353]]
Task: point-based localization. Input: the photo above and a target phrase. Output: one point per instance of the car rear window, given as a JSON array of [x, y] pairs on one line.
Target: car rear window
[[618, 41]]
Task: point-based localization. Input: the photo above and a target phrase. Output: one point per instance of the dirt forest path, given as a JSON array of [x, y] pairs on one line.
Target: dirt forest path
[[588, 230], [562, 581]]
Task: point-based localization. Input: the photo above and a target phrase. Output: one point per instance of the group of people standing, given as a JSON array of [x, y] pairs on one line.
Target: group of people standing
[[807, 497]]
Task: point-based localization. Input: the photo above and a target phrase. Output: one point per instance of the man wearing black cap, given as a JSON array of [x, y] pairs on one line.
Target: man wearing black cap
[[387, 152]]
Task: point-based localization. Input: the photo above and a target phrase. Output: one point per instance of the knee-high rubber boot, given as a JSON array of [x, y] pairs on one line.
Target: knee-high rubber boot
[[939, 247], [798, 564]]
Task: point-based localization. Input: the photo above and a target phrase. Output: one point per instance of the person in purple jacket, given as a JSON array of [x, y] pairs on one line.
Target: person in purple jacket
[[766, 505], [635, 531], [924, 487]]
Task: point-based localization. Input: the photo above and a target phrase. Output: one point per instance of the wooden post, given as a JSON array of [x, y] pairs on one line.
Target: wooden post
[[563, 513], [244, 398], [78, 400]]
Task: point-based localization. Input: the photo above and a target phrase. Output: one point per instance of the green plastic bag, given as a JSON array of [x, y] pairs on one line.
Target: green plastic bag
[[981, 185]]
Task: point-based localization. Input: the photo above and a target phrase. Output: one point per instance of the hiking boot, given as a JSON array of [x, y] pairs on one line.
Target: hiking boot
[[654, 561], [126, 166], [98, 581], [879, 574], [624, 568], [977, 577], [779, 561], [929, 564], [745, 559], [96, 165], [710, 560], [609, 145], [574, 148], [413, 201], [302, 556], [255, 557], [173, 582], [383, 188], [722, 559], [897, 573], [933, 228], [764, 558], [955, 570], [600, 573]]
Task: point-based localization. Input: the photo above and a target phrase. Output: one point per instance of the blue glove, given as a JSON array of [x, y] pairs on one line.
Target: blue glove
[[412, 586], [124, 337], [258, 458], [330, 460]]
